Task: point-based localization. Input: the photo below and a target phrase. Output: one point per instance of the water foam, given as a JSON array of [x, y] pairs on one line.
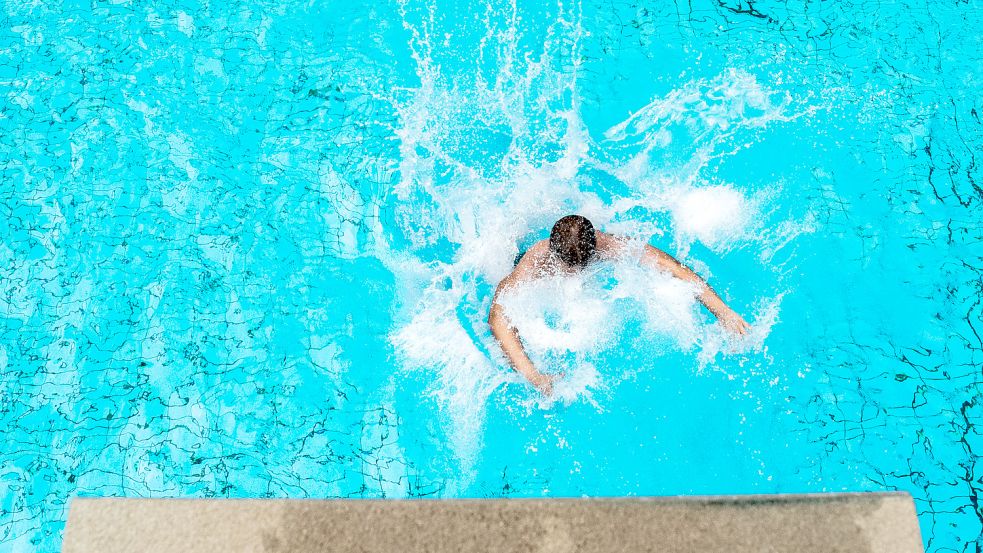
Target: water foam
[[714, 215]]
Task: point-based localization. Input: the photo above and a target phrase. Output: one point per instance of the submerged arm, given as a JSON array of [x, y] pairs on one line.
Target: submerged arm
[[508, 336]]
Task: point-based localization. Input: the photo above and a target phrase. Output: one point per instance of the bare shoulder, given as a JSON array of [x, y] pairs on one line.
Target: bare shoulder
[[535, 257], [540, 248], [610, 245], [531, 264]]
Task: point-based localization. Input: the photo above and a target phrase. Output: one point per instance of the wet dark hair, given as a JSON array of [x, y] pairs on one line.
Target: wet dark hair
[[573, 240]]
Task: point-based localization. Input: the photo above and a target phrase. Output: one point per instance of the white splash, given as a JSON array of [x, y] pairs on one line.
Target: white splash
[[715, 215]]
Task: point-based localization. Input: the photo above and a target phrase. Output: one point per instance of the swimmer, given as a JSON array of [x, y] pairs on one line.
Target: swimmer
[[572, 245]]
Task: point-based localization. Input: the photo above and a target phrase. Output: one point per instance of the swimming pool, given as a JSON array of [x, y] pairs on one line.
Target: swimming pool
[[250, 248]]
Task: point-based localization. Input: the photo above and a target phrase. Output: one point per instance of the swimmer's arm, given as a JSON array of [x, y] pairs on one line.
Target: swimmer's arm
[[707, 296], [508, 336]]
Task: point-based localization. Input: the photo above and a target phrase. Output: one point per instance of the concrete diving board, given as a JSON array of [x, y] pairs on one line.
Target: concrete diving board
[[826, 523]]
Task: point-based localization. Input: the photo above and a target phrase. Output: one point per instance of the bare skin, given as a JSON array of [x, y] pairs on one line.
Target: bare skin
[[538, 262]]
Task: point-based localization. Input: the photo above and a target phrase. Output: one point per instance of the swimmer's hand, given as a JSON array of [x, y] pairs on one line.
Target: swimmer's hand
[[544, 382], [734, 323]]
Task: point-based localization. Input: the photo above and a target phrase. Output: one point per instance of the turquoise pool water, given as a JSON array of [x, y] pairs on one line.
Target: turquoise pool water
[[249, 247]]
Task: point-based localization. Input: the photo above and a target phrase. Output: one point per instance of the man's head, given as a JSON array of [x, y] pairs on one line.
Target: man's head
[[573, 241]]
